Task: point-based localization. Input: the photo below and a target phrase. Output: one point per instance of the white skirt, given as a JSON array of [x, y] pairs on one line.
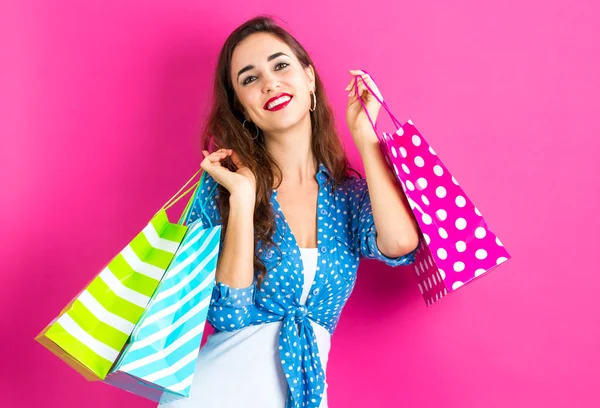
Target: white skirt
[[242, 368]]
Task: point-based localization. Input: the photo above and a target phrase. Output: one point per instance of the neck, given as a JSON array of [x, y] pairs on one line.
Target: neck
[[292, 151]]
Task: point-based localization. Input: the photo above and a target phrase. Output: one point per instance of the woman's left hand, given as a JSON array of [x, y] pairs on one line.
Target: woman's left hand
[[356, 118]]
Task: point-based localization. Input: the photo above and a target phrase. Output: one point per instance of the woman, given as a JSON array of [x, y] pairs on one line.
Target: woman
[[294, 223]]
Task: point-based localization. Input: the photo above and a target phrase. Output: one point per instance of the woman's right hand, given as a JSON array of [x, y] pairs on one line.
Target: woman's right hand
[[242, 181]]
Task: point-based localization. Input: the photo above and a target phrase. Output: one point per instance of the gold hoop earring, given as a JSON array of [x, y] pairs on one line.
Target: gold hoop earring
[[314, 96], [257, 130]]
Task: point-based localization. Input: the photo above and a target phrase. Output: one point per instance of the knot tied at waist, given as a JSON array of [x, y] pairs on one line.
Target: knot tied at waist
[[300, 359], [298, 314]]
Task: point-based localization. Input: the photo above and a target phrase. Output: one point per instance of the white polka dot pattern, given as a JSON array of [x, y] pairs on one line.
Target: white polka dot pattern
[[346, 234], [456, 246]]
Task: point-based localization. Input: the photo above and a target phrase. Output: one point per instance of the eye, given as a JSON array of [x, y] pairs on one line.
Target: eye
[[246, 82]]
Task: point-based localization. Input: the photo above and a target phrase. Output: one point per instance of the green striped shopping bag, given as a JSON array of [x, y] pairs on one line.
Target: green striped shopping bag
[[93, 328]]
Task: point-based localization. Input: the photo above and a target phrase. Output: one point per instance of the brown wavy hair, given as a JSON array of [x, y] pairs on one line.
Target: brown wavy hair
[[223, 129]]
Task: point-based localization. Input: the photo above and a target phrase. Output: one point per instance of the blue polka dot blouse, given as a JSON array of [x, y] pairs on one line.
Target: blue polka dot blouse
[[345, 234]]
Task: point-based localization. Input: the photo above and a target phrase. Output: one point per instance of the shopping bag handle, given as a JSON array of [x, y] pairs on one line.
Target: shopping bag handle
[[197, 185], [177, 196], [188, 206], [381, 101]]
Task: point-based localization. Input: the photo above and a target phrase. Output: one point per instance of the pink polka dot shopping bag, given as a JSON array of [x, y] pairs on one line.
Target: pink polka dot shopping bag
[[456, 246]]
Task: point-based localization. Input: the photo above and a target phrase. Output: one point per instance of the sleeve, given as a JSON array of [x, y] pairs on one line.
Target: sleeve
[[364, 230], [230, 308]]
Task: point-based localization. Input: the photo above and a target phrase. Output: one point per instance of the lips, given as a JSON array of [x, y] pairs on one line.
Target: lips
[[281, 105]]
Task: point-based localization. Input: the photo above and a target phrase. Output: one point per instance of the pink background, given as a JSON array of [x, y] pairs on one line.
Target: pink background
[[101, 103]]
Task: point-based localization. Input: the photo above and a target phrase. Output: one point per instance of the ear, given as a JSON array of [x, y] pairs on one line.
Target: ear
[[310, 72]]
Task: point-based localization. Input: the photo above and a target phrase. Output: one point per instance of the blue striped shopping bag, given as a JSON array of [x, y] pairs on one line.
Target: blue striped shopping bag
[[159, 360], [91, 331]]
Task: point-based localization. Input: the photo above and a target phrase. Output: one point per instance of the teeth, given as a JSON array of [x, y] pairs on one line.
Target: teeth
[[278, 102]]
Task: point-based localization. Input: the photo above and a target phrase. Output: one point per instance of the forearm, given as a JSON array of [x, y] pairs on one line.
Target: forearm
[[235, 266], [397, 232]]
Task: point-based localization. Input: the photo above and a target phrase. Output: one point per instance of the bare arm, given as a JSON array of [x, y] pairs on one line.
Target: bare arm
[[394, 220], [235, 266]]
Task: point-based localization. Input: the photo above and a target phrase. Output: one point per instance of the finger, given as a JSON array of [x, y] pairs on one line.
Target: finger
[[222, 151], [350, 87], [362, 88], [359, 72], [367, 78], [349, 84], [356, 93], [219, 154], [361, 79], [235, 158], [355, 73], [355, 84], [352, 94], [237, 161], [357, 88], [366, 90], [217, 157], [361, 93]]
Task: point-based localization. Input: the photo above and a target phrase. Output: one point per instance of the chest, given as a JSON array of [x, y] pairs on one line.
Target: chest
[[319, 219], [298, 209]]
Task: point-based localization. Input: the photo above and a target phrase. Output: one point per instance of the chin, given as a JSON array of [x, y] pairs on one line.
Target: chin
[[288, 122]]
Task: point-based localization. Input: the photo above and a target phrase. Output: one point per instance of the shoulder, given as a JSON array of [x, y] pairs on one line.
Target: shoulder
[[351, 188]]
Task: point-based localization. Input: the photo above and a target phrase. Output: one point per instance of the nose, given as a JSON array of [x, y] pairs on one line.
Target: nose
[[271, 83]]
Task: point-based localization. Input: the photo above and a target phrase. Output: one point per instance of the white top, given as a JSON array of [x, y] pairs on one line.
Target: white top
[[242, 368]]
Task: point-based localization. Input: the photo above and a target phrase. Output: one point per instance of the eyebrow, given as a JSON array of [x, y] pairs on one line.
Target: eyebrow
[[270, 58]]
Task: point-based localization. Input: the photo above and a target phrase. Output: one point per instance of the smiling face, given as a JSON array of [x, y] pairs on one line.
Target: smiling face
[[262, 68]]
